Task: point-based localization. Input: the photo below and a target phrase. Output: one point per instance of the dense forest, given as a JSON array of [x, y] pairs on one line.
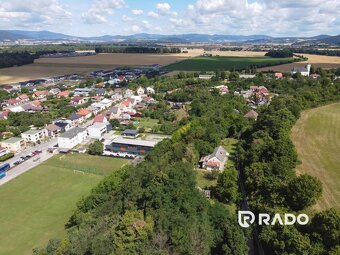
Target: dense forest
[[285, 53], [156, 207], [16, 59]]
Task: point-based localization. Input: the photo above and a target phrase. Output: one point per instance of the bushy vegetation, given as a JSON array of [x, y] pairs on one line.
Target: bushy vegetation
[[268, 159], [285, 53], [16, 59]]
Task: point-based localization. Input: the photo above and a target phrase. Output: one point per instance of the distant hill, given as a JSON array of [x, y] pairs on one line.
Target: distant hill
[[13, 35], [331, 40]]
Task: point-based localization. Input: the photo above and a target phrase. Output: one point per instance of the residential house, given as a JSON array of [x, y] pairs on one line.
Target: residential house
[[106, 103], [278, 75], [114, 112], [53, 130], [11, 102], [78, 100], [32, 108], [14, 144], [75, 119], [4, 115], [97, 130], [72, 138], [65, 93], [55, 91], [214, 161], [34, 135], [83, 91], [128, 93], [150, 90], [140, 91], [65, 126], [251, 115], [85, 113], [93, 109], [40, 94], [100, 92], [314, 76], [23, 98], [100, 119], [222, 89]]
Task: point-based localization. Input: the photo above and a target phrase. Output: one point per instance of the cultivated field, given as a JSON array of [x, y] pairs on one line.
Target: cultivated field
[[224, 63], [35, 206], [46, 67], [316, 136], [315, 60]]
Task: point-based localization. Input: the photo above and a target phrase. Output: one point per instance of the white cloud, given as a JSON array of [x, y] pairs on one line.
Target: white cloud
[[100, 10], [135, 29], [163, 8], [126, 18], [137, 12], [38, 13], [153, 15]]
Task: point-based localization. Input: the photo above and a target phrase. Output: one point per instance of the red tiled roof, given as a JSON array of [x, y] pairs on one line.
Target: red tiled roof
[[83, 112], [99, 118]]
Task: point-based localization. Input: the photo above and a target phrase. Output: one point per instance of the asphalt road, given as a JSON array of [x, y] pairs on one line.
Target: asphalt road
[[30, 163]]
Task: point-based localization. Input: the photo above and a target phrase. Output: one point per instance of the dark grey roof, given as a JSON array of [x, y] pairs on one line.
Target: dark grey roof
[[72, 132], [61, 124], [300, 69], [74, 116], [130, 132], [220, 153]]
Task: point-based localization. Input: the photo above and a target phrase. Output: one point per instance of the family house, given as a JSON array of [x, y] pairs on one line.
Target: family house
[[78, 100], [63, 125], [100, 119], [53, 130], [214, 161], [40, 94], [65, 93], [34, 135], [150, 90], [14, 144], [23, 98], [85, 113], [305, 71], [140, 91], [75, 119]]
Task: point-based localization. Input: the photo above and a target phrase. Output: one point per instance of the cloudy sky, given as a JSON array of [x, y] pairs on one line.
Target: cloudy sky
[[241, 17]]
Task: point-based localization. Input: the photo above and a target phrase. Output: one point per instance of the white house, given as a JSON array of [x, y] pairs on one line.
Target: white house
[[140, 91], [305, 71], [72, 138], [150, 90], [215, 161], [128, 93], [97, 130], [34, 135]]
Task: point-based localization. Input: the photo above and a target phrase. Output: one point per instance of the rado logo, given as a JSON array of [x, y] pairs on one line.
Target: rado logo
[[247, 218]]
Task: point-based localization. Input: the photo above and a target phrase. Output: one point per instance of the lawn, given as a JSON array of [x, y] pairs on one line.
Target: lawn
[[36, 205], [147, 123], [225, 63], [316, 137]]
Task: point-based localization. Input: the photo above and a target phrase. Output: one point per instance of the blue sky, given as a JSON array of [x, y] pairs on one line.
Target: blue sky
[[241, 17]]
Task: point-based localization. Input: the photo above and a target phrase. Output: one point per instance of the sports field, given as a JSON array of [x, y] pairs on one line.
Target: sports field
[[35, 206], [316, 136], [225, 63]]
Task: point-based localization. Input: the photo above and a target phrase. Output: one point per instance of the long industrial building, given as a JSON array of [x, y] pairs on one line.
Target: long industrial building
[[130, 146]]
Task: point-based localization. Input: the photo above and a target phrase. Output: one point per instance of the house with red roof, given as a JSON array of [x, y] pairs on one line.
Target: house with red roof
[[40, 94], [23, 98], [100, 119], [78, 100], [85, 113], [65, 93]]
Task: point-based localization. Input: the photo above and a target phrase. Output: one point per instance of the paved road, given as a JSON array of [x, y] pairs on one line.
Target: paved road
[[28, 164]]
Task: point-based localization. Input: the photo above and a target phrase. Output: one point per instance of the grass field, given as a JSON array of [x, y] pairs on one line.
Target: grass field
[[224, 63], [36, 205], [316, 136]]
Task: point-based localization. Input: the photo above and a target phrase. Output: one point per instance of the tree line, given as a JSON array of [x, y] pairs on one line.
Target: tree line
[[136, 49], [268, 159]]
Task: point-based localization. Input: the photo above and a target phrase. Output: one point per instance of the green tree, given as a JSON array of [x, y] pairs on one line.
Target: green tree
[[96, 148], [303, 191], [114, 123], [226, 189]]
